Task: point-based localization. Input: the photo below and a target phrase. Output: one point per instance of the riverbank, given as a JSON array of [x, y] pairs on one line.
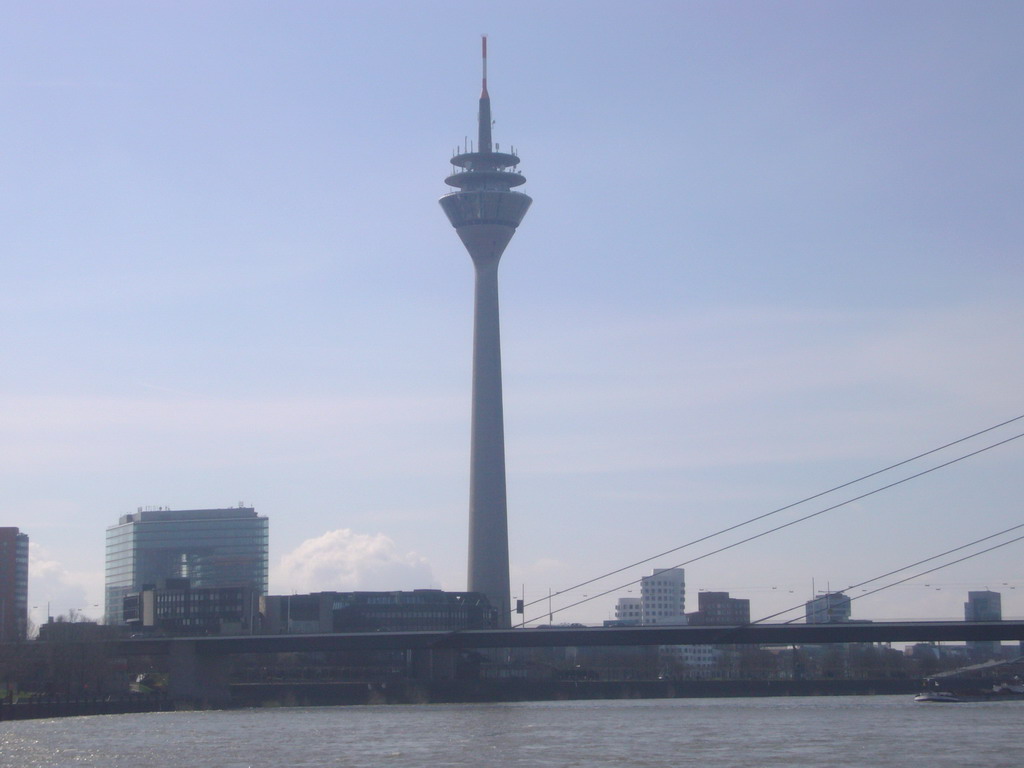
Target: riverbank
[[262, 695], [76, 706], [485, 691]]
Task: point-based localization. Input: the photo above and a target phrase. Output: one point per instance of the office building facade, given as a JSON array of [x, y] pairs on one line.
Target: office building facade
[[417, 610], [174, 607], [717, 608], [13, 585], [983, 605], [663, 597], [209, 547], [628, 611], [827, 608]]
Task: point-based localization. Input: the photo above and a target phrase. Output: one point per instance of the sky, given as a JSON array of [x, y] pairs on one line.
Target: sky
[[774, 247]]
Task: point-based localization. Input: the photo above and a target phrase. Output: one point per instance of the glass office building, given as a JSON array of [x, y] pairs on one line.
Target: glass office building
[[209, 547]]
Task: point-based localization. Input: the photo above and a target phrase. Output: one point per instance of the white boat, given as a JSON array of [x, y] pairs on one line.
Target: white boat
[[937, 696]]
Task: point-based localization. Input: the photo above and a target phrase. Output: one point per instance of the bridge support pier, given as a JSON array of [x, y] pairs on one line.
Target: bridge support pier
[[196, 678], [434, 664]]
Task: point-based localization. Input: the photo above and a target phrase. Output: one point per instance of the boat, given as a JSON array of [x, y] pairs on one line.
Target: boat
[[999, 692], [996, 680], [938, 697]]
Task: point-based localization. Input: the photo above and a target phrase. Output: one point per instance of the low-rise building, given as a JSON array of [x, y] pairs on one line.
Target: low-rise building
[[718, 609], [418, 610], [691, 662], [73, 632], [176, 607]]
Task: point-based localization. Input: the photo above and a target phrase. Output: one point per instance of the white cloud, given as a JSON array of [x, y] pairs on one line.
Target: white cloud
[[343, 560], [52, 586]]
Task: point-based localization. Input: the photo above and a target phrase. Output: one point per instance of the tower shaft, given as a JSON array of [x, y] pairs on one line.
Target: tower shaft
[[488, 513]]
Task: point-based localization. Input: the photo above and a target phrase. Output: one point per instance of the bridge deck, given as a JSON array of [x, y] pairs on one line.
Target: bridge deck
[[765, 634]]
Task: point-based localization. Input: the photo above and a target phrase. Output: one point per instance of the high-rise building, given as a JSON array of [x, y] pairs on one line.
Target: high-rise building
[[209, 547], [13, 584], [827, 608], [983, 605], [485, 213], [663, 597]]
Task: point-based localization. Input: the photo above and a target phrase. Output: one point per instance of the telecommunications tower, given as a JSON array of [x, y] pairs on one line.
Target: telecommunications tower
[[485, 212]]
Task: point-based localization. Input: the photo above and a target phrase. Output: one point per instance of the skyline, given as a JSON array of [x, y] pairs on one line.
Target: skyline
[[778, 248]]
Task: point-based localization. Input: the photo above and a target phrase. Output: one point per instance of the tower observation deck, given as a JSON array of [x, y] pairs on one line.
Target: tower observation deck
[[485, 212]]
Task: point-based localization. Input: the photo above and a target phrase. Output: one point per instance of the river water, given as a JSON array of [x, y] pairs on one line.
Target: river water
[[867, 731]]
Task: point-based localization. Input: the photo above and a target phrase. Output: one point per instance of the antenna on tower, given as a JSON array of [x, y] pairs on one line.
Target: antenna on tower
[[483, 41], [484, 127]]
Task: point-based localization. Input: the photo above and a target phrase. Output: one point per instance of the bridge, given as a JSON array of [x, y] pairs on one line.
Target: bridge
[[198, 668], [760, 634]]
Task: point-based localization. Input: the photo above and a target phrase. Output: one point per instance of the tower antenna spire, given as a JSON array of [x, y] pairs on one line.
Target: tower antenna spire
[[484, 127], [483, 43]]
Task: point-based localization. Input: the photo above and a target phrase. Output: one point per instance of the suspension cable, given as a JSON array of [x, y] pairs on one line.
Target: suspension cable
[[777, 528], [775, 511], [908, 567]]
